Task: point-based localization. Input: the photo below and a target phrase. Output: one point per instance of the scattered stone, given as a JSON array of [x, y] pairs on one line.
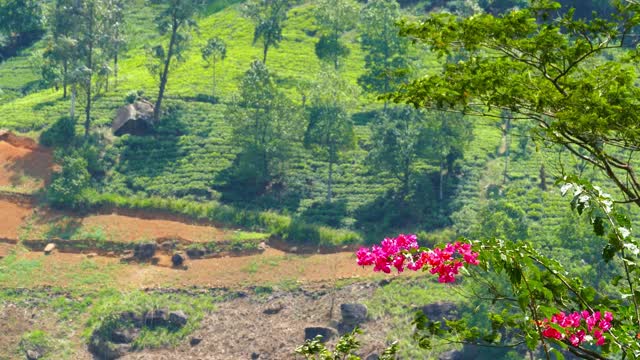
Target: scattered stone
[[145, 251], [124, 335], [178, 318], [262, 246], [157, 317], [373, 356], [440, 311], [91, 255], [293, 249], [352, 316], [255, 356], [168, 245], [49, 248], [195, 253], [195, 341], [103, 349], [177, 259], [129, 317], [33, 355], [273, 309], [327, 333]]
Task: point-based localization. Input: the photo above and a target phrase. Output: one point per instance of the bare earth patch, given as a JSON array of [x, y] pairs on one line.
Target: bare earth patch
[[24, 168]]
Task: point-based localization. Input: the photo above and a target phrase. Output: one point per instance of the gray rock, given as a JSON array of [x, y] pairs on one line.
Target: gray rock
[[33, 355], [273, 309], [145, 251], [195, 253], [255, 356], [195, 341], [178, 318], [327, 333], [49, 248], [131, 318], [103, 349], [440, 310], [157, 317], [373, 356], [352, 316], [124, 335], [177, 259]]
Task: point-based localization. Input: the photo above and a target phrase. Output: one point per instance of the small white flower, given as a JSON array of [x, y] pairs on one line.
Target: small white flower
[[624, 232], [632, 248], [566, 187]]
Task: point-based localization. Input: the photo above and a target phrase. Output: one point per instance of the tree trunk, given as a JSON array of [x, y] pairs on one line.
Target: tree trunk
[[214, 76], [115, 61], [87, 109], [265, 48], [330, 178], [506, 129], [441, 190], [72, 110], [165, 71], [65, 66]]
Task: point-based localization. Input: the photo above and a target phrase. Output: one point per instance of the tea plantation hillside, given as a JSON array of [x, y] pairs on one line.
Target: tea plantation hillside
[[191, 153]]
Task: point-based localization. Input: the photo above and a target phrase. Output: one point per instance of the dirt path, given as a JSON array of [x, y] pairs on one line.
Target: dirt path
[[273, 267], [12, 218]]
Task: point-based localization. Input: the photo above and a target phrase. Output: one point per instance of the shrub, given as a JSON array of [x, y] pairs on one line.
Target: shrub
[[70, 186], [60, 133]]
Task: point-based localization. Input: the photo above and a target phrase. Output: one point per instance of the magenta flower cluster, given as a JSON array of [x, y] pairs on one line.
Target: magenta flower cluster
[[403, 252], [578, 327]]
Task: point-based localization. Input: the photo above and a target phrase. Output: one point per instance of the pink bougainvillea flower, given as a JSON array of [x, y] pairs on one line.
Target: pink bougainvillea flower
[[577, 325], [402, 252]]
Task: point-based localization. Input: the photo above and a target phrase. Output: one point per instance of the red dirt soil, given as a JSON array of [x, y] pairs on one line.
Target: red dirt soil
[[127, 228], [12, 217], [24, 164]]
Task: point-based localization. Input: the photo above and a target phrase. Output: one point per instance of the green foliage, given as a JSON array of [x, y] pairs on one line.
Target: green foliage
[[345, 348], [386, 59], [268, 17], [215, 50], [60, 134], [264, 128], [330, 128], [68, 188], [36, 340], [334, 18], [21, 23]]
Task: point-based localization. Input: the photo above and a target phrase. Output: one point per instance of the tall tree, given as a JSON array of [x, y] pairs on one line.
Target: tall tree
[[446, 137], [176, 19], [113, 35], [268, 17], [397, 142], [21, 23], [546, 72], [264, 125], [214, 50], [330, 128], [334, 18], [385, 50]]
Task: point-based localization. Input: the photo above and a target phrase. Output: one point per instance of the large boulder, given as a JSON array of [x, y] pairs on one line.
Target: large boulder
[[352, 316], [135, 119], [124, 335], [439, 311], [49, 248], [178, 318], [158, 317], [145, 251]]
